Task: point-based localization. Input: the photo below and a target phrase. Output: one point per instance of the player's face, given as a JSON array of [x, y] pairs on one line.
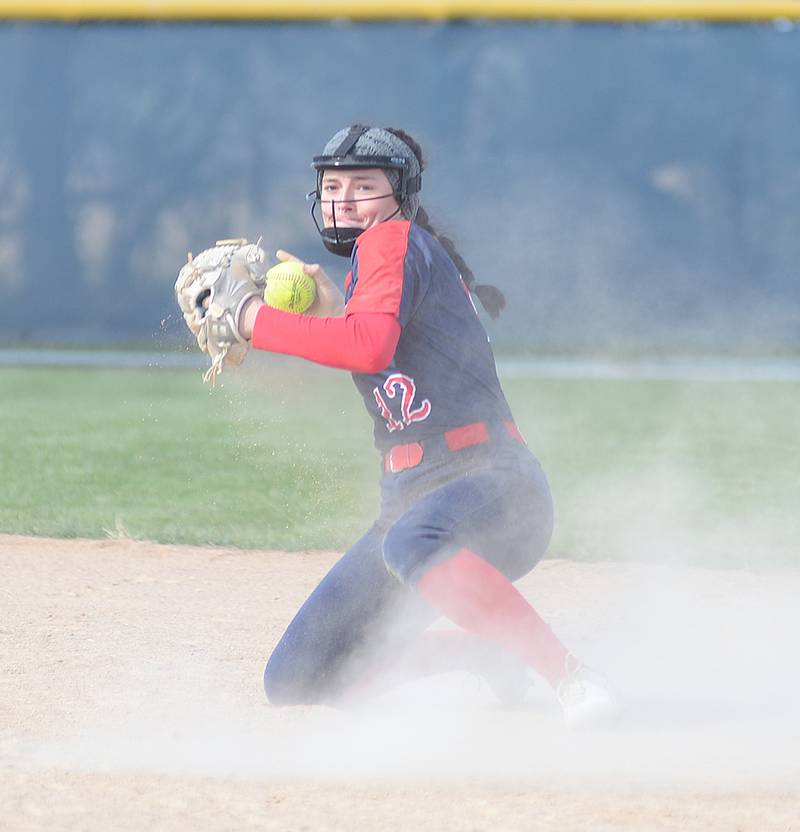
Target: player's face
[[360, 198]]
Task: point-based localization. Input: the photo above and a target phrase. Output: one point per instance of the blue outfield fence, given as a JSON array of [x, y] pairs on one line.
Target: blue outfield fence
[[626, 185]]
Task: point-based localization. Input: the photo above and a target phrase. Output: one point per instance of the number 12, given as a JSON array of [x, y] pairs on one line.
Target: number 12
[[409, 413]]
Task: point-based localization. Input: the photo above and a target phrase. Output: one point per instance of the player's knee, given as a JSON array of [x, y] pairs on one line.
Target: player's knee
[[407, 552], [284, 683], [395, 554], [277, 687]]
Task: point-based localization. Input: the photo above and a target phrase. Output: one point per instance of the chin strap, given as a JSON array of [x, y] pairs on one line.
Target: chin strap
[[340, 241]]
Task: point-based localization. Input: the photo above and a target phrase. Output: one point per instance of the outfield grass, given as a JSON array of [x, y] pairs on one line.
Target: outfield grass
[[280, 456]]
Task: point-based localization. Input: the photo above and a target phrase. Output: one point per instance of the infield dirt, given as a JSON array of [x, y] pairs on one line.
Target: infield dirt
[[132, 699]]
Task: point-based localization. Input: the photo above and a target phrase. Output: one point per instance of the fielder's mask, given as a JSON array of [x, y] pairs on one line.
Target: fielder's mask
[[365, 147]]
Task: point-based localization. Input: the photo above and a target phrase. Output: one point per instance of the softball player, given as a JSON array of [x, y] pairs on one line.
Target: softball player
[[465, 506]]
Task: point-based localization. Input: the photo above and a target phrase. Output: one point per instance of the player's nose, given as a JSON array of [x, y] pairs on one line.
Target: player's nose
[[347, 194]]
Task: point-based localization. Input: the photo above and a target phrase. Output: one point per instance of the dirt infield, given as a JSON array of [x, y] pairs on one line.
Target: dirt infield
[[131, 699]]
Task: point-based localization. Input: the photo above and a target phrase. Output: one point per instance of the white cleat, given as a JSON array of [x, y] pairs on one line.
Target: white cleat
[[588, 701]]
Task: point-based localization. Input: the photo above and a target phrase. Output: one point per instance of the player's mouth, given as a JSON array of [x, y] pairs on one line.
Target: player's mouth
[[342, 223]]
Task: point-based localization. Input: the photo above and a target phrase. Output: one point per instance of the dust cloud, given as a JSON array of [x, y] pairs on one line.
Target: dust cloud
[[704, 659]]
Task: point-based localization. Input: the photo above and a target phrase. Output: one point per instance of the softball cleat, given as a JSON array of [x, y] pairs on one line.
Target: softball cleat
[[588, 700]]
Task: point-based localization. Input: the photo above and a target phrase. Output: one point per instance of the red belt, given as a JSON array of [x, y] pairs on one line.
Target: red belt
[[401, 457]]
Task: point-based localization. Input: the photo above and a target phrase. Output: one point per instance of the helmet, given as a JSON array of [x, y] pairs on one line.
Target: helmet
[[360, 146]]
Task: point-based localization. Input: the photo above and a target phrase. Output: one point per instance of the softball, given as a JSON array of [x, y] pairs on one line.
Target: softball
[[289, 288]]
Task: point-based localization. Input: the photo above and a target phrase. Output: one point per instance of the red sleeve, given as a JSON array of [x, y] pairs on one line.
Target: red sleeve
[[380, 263], [363, 343]]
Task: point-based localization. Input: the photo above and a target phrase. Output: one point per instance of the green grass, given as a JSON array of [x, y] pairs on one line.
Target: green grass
[[280, 456]]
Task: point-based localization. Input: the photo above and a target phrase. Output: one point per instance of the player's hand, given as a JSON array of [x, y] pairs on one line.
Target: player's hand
[[329, 302], [211, 290]]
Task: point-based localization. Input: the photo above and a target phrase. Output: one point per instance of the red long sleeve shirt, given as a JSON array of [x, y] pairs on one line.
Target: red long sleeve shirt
[[361, 342]]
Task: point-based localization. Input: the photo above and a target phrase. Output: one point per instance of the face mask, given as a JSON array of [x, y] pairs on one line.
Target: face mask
[[398, 165]]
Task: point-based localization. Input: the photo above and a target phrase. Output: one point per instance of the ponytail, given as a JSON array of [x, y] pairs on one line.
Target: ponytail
[[491, 298]]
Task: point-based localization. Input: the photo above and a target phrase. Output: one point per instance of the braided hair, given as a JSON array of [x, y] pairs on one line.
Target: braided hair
[[491, 298]]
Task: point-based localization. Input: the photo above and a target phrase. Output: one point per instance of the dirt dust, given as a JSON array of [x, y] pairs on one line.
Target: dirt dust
[[132, 699]]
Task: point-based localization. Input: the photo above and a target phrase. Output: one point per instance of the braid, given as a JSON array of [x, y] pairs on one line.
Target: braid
[[491, 298]]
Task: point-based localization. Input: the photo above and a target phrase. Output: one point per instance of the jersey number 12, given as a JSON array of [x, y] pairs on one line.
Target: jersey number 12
[[408, 413]]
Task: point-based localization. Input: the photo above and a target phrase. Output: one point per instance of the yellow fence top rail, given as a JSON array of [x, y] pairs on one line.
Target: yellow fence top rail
[[588, 10]]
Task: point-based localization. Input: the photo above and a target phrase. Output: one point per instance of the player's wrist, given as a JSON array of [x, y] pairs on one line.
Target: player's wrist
[[247, 319]]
